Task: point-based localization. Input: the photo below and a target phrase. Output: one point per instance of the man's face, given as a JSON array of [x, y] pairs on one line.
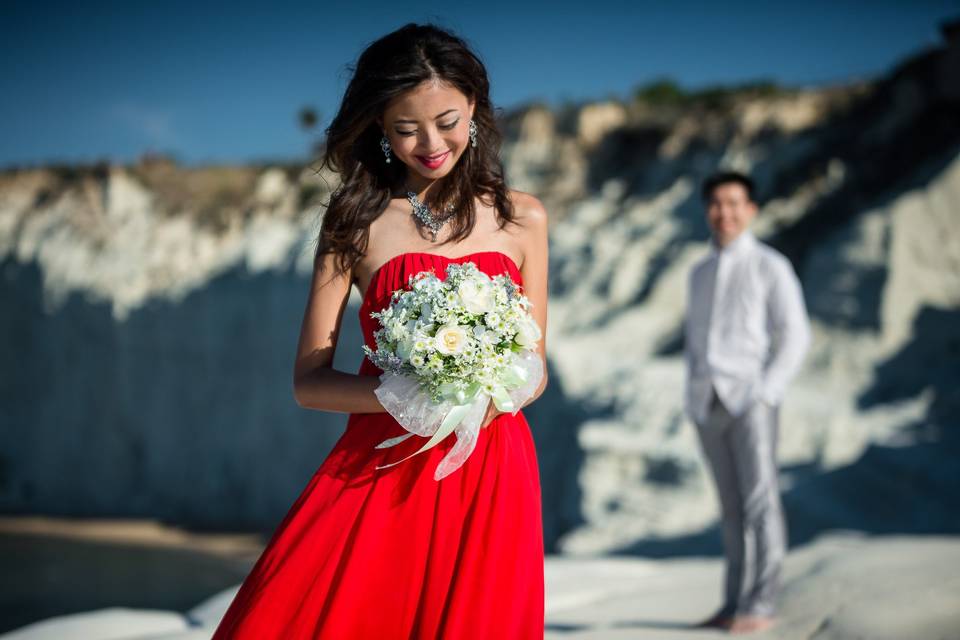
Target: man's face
[[729, 212]]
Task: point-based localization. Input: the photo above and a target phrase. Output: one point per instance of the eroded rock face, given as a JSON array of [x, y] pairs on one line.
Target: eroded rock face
[[107, 235], [153, 340], [155, 311], [642, 473]]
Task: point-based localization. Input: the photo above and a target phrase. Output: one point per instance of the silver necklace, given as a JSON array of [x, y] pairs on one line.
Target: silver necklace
[[426, 217]]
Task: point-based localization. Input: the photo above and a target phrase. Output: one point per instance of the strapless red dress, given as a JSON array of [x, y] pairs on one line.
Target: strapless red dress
[[392, 553]]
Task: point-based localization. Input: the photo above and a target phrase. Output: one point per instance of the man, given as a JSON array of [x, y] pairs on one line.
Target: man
[[747, 333]]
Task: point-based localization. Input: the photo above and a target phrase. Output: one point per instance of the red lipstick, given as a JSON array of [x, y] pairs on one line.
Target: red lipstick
[[434, 161]]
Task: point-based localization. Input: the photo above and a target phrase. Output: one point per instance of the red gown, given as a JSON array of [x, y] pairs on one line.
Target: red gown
[[393, 553]]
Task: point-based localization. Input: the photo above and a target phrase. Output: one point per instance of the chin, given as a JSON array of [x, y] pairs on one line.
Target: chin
[[722, 238], [435, 174]]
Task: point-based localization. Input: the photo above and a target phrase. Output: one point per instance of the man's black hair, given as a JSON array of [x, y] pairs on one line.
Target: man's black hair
[[726, 177]]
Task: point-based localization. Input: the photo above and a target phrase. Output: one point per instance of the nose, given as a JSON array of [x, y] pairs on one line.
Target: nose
[[724, 209], [429, 139]]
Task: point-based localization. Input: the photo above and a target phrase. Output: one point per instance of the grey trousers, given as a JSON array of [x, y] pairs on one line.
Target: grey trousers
[[741, 453]]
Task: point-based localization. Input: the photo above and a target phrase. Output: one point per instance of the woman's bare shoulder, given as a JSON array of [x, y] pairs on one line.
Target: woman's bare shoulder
[[530, 217], [528, 210]]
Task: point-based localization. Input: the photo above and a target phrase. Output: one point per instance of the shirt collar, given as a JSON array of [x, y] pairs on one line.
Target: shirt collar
[[741, 243]]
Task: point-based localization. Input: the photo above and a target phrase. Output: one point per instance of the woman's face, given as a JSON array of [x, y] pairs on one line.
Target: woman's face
[[427, 128]]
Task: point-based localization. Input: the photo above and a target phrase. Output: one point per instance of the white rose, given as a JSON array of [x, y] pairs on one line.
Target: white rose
[[450, 339], [476, 295], [528, 333]]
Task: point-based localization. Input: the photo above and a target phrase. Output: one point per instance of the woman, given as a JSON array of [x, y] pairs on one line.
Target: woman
[[393, 553]]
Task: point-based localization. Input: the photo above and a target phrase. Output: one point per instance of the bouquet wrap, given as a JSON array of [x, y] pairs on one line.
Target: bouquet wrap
[[459, 413]]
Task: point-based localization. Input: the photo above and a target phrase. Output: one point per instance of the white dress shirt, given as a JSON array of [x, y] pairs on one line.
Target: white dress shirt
[[747, 330]]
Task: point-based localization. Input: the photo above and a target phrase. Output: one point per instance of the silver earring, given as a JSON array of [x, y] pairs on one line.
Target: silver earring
[[472, 130], [385, 145]]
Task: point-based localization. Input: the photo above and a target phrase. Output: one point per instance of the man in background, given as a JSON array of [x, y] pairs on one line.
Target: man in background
[[747, 333]]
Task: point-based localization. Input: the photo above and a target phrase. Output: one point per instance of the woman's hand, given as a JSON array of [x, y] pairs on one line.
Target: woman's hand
[[492, 412]]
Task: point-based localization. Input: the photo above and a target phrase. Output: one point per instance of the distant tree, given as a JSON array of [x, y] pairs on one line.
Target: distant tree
[[309, 119], [662, 91], [666, 92]]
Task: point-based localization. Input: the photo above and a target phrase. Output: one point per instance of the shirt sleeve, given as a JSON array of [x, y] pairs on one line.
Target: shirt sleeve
[[688, 321], [790, 327], [687, 317]]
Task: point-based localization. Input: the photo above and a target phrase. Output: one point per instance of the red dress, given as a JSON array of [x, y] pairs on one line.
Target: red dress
[[393, 553]]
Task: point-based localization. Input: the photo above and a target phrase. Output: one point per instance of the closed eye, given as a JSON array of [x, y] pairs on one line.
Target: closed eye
[[444, 127]]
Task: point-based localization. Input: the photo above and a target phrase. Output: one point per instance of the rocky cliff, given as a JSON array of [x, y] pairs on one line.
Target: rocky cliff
[[152, 314]]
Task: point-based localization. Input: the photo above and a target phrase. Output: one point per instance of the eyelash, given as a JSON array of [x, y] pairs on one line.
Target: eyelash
[[447, 127]]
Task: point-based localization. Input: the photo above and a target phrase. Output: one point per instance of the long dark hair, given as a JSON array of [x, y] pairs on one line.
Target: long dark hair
[[396, 63]]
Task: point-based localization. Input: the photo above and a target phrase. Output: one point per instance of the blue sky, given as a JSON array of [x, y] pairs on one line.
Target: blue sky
[[222, 82]]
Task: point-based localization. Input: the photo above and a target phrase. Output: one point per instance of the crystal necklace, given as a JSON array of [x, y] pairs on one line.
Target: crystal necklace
[[426, 217]]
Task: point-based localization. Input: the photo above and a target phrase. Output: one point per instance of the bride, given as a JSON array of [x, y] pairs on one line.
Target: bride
[[368, 552]]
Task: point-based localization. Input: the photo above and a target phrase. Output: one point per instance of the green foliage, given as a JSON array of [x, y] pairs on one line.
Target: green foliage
[[661, 92], [667, 93]]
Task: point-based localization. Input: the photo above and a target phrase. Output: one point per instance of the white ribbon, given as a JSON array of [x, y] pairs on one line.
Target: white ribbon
[[460, 414]]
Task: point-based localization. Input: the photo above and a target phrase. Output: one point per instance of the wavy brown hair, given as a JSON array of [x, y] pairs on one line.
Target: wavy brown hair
[[393, 65]]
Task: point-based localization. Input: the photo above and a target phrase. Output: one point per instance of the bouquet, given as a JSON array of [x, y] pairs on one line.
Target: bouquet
[[447, 349]]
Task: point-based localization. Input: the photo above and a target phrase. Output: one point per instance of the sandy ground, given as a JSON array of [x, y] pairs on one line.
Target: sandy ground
[[841, 586], [838, 587]]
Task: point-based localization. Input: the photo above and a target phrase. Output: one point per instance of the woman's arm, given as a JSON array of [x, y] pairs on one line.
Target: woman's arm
[[533, 218], [316, 385]]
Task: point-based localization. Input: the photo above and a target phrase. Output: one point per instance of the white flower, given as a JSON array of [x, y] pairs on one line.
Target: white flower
[[476, 295], [450, 339], [426, 283], [483, 336], [528, 333], [396, 330], [458, 331]]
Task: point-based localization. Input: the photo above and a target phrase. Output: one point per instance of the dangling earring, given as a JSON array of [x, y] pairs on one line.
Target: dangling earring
[[472, 130], [385, 145]]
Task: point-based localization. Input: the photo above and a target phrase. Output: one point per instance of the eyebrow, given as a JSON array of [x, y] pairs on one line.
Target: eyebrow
[[405, 121]]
